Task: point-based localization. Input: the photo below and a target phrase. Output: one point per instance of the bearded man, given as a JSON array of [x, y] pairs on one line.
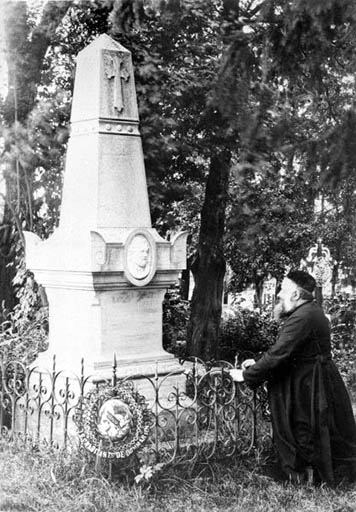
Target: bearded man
[[313, 424]]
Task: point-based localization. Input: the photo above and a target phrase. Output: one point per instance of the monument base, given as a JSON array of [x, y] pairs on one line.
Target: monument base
[[164, 377], [148, 367], [160, 364]]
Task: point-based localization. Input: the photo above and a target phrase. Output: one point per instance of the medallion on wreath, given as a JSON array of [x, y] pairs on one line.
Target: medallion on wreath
[[113, 422]]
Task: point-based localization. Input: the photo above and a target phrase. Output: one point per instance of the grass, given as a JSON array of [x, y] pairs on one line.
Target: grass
[[53, 482]]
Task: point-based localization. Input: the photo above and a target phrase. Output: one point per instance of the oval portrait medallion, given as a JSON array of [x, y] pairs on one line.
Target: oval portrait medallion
[[140, 258]]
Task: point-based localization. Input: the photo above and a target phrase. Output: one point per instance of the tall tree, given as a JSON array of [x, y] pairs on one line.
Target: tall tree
[[26, 45], [209, 264], [239, 101]]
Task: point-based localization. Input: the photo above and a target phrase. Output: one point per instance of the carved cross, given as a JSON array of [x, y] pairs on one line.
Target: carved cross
[[116, 70]]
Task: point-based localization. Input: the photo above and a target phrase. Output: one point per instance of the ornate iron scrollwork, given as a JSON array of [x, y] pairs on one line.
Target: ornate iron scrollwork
[[198, 414]]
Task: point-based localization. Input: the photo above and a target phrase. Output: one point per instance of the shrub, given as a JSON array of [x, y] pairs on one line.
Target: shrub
[[345, 359], [175, 320], [22, 338], [342, 314], [246, 333], [24, 330]]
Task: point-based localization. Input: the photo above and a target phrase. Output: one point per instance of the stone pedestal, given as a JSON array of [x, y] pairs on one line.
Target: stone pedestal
[[105, 269]]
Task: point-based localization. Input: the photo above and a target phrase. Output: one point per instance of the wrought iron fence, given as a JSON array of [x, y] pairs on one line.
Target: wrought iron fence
[[196, 413]]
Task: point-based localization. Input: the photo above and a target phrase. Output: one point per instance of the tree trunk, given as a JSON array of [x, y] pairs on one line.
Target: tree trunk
[[209, 265], [185, 282], [185, 279], [258, 292], [7, 268], [25, 51], [334, 279]]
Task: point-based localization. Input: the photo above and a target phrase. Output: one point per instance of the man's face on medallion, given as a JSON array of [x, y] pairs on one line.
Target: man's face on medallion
[[139, 257], [141, 254]]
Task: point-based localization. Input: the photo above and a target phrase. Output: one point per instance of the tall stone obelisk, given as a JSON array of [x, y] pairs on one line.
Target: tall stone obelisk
[[105, 269]]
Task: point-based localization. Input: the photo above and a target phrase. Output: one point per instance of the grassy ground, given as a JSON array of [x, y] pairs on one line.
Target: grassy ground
[[51, 483]]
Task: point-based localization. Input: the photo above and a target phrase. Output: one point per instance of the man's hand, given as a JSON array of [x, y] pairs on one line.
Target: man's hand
[[236, 375], [247, 363]]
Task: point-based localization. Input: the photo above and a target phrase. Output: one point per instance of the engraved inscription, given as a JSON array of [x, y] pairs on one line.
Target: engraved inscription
[[132, 320]]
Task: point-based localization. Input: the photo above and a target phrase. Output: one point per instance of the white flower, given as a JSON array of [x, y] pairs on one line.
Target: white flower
[[146, 473]]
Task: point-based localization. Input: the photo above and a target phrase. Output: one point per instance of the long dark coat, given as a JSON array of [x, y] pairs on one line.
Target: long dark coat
[[312, 417]]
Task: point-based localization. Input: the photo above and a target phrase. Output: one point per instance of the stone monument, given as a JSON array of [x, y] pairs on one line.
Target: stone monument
[[105, 269]]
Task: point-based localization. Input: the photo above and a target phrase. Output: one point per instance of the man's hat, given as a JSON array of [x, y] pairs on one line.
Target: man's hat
[[302, 279]]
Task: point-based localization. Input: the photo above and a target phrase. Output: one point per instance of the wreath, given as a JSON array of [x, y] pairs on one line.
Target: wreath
[[113, 422]]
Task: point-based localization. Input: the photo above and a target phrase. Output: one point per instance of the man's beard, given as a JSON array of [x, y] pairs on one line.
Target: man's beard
[[280, 311]]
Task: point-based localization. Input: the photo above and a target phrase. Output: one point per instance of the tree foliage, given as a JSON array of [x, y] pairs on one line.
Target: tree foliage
[[26, 44], [296, 145], [247, 116]]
